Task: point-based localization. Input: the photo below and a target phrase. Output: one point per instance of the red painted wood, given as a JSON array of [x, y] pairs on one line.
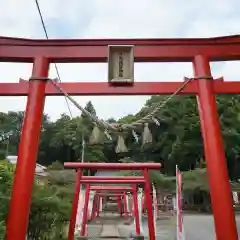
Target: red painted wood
[[145, 50], [135, 210], [149, 205], [112, 181], [220, 191], [27, 155], [72, 223], [100, 88], [85, 211], [103, 88], [113, 166], [112, 178], [111, 188]]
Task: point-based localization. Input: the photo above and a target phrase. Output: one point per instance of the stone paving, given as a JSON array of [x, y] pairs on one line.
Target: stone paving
[[197, 227], [108, 224]]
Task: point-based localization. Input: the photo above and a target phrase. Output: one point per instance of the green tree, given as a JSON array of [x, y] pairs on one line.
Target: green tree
[[6, 171], [177, 140]]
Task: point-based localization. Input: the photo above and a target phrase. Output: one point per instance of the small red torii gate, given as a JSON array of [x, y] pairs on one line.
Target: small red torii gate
[[144, 167], [133, 180], [198, 51], [102, 180], [116, 190]]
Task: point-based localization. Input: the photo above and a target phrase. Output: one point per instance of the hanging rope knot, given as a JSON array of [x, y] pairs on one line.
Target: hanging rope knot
[[198, 78], [39, 78], [118, 127]]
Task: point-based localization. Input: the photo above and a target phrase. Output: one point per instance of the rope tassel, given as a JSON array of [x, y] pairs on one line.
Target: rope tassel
[[96, 136], [121, 147], [147, 135]]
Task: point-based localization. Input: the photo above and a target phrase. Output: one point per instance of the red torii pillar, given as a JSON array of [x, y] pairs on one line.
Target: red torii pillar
[[85, 211], [214, 154], [27, 153], [135, 210], [125, 204], [120, 205], [77, 189], [95, 207]]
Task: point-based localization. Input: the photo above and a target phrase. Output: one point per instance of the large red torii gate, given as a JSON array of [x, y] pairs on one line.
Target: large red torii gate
[[198, 51]]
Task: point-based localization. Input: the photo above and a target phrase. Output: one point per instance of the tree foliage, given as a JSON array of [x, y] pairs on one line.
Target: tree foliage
[[177, 141], [50, 207], [6, 171]]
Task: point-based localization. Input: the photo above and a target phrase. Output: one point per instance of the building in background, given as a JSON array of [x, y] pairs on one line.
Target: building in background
[[39, 170]]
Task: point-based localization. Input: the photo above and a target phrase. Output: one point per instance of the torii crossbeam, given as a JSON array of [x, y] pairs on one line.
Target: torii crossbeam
[[198, 51]]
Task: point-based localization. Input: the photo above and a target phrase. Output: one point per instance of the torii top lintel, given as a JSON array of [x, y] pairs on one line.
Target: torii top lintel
[[96, 50], [111, 188], [112, 166]]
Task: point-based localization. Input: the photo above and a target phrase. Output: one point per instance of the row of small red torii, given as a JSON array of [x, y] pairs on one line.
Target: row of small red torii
[[198, 51], [110, 180]]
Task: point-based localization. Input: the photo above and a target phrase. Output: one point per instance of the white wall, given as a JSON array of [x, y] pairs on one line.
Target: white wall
[[39, 168]]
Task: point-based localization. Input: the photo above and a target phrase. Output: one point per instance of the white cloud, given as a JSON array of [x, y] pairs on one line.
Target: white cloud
[[115, 19]]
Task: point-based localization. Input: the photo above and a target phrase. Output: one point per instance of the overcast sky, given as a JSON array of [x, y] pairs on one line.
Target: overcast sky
[[115, 19]]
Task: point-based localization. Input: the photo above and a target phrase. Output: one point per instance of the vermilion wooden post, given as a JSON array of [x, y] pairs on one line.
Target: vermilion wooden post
[[148, 198], [135, 210], [220, 190], [125, 204], [100, 203], [27, 154], [131, 205], [98, 206], [75, 203], [94, 207], [120, 205], [85, 210]]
